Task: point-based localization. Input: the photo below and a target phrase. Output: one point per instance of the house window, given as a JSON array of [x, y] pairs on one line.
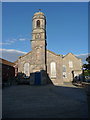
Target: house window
[[64, 75], [38, 23], [53, 69], [64, 71], [70, 64], [64, 68], [26, 69]]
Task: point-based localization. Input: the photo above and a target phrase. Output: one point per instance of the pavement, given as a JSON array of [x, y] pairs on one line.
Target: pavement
[[88, 99], [47, 101]]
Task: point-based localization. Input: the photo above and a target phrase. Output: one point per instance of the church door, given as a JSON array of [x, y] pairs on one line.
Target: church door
[[37, 78]]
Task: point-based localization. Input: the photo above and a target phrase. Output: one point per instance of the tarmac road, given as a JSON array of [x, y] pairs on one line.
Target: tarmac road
[[24, 101]]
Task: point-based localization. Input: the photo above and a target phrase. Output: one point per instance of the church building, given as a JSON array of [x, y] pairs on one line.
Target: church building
[[43, 66]]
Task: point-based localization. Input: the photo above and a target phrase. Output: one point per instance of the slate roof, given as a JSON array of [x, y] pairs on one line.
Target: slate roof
[[3, 61]]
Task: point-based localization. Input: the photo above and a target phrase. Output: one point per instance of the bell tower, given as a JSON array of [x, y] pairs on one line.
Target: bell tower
[[38, 41]]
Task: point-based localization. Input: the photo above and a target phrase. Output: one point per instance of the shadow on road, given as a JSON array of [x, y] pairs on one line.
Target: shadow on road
[[46, 101]]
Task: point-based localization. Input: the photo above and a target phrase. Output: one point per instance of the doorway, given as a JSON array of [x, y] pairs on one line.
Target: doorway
[[37, 78]]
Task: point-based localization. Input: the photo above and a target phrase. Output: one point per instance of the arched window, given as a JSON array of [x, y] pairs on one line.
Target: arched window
[[53, 69], [26, 69], [38, 23]]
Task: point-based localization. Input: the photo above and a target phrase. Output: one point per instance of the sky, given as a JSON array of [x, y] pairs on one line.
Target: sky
[[66, 26]]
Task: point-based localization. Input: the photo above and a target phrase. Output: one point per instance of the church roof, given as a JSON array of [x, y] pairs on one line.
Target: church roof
[[47, 50], [54, 53], [25, 54], [39, 13], [71, 54]]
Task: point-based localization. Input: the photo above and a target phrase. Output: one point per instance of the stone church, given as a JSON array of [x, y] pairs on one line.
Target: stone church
[[42, 66]]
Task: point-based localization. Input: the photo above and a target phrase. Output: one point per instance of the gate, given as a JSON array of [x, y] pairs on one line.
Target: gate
[[37, 78]]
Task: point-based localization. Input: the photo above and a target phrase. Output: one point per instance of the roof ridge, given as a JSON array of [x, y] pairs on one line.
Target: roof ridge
[[25, 54], [6, 62], [53, 52], [72, 54]]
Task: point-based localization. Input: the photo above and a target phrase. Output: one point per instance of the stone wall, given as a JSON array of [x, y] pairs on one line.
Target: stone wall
[[76, 66], [59, 78], [24, 59], [52, 57]]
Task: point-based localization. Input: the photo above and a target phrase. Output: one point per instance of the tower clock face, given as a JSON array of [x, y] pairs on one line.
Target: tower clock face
[[37, 36]]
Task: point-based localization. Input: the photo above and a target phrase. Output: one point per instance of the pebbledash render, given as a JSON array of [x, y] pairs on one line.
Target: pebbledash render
[[43, 66]]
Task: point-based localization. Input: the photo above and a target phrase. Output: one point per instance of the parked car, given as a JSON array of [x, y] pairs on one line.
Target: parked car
[[87, 80], [87, 77]]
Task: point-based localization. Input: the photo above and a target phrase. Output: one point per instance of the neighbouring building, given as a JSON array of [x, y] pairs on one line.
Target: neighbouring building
[[43, 66], [7, 70]]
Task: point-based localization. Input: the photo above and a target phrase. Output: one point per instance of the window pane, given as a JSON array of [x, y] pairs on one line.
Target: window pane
[[38, 23], [26, 69], [53, 69], [64, 75], [64, 68], [70, 64]]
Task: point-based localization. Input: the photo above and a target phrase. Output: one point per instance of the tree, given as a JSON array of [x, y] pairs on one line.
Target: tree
[[87, 66], [88, 59]]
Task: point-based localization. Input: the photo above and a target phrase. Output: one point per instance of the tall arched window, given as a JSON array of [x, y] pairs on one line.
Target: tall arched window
[[38, 23], [53, 69], [26, 69]]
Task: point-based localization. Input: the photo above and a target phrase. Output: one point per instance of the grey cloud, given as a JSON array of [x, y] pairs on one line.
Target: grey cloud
[[11, 54], [83, 57]]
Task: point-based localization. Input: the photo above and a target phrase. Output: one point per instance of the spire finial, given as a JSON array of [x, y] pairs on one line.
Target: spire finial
[[39, 10]]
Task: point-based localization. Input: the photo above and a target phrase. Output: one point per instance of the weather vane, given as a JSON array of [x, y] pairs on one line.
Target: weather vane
[[39, 9]]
